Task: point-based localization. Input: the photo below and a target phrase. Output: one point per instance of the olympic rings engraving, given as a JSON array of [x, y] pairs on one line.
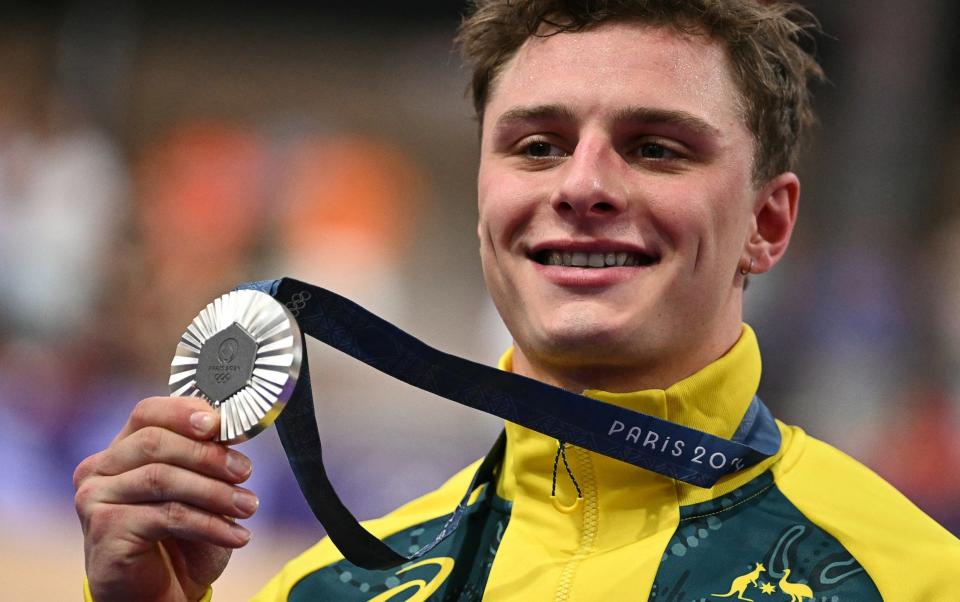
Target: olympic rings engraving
[[297, 302]]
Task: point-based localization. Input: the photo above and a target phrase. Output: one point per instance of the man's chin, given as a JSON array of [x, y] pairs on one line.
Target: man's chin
[[572, 347]]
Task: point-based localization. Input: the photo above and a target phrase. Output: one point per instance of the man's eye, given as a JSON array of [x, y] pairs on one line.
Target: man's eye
[[539, 148], [652, 150]]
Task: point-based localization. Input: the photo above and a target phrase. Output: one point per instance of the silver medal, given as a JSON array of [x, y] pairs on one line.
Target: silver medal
[[242, 354]]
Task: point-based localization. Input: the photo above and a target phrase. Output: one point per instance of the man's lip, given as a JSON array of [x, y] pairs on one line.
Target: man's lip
[[588, 278], [591, 246]]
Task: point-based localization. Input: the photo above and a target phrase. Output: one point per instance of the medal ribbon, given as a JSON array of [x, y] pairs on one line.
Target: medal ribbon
[[649, 442]]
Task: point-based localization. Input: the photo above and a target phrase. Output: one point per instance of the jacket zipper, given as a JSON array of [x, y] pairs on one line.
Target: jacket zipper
[[591, 521]]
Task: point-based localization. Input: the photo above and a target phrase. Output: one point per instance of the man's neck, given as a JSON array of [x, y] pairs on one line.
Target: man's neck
[[621, 377]]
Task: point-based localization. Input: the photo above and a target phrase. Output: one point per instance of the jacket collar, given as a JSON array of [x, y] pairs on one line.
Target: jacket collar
[[712, 400]]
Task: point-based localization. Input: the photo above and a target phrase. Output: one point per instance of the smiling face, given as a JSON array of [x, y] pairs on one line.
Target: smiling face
[[616, 201]]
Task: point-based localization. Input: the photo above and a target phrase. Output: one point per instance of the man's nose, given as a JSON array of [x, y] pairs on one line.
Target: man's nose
[[591, 185]]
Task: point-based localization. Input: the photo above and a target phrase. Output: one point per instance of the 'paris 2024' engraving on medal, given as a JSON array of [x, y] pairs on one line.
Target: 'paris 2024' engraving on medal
[[226, 363]]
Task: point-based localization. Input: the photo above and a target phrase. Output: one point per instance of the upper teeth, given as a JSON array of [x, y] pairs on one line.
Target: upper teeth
[[592, 260]]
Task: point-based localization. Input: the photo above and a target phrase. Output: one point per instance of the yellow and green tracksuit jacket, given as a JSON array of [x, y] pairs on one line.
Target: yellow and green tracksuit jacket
[[808, 524]]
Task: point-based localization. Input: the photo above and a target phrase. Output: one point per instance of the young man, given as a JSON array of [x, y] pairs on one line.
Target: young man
[[635, 168]]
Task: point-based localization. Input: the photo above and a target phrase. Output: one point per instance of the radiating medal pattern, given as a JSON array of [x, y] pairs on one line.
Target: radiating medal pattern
[[242, 354]]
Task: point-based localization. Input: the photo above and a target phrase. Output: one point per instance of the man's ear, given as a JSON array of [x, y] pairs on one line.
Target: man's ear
[[775, 213]]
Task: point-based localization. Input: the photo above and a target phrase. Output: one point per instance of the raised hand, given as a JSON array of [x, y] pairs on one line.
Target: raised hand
[[156, 505]]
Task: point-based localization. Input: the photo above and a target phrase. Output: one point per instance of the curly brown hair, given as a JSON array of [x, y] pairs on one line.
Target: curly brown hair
[[765, 41]]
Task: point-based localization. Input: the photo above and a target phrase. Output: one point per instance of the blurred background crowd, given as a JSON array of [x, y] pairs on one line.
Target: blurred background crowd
[[152, 157]]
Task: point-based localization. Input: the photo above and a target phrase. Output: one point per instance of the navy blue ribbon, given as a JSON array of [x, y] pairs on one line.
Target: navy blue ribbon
[[649, 442]]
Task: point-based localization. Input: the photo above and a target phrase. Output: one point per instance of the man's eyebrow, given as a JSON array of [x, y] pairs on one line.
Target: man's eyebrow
[[681, 119], [640, 115], [534, 113]]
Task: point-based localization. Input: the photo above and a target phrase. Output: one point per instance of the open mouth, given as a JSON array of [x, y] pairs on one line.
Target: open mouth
[[594, 260]]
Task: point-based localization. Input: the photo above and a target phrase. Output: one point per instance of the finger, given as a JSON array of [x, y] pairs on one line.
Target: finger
[[155, 445], [185, 522], [165, 483], [188, 416], [150, 523]]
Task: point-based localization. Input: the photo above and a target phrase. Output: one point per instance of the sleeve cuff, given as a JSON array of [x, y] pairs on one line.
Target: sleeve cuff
[[88, 597]]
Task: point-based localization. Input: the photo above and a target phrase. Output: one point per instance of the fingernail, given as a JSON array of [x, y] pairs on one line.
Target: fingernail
[[245, 502], [238, 465], [241, 533], [202, 422]]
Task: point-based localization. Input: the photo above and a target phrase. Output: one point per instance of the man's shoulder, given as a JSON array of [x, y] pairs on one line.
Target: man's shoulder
[[421, 511], [897, 543], [827, 479]]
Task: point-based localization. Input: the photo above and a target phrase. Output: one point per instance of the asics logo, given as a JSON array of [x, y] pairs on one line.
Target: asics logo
[[421, 589]]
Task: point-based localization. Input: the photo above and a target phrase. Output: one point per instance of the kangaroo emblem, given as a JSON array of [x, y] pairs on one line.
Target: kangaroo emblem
[[796, 591], [741, 583]]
